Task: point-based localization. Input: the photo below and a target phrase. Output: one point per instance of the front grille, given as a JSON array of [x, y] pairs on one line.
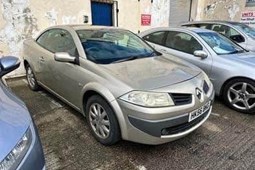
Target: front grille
[[181, 99], [183, 127], [205, 87]]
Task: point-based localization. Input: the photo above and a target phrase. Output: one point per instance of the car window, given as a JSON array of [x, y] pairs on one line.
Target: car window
[[222, 29], [204, 26], [234, 35], [112, 45], [182, 42], [156, 37], [42, 40], [246, 29], [228, 32], [58, 40], [220, 44]]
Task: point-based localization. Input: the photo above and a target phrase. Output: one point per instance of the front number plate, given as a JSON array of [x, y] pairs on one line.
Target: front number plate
[[196, 113]]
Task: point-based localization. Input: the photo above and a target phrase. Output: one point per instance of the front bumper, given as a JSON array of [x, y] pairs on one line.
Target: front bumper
[[168, 128], [161, 125]]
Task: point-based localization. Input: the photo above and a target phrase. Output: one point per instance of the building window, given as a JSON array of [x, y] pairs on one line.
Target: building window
[[250, 2]]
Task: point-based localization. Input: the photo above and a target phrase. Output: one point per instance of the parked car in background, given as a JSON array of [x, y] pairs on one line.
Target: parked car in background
[[20, 146], [240, 33], [123, 86], [229, 66]]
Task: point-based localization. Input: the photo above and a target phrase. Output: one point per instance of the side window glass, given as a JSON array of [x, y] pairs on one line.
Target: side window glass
[[156, 37], [205, 26], [234, 35], [57, 40], [43, 39], [182, 42], [62, 41], [208, 26], [222, 29]]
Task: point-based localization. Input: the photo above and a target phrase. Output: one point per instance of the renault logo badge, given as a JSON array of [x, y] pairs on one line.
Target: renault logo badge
[[200, 94]]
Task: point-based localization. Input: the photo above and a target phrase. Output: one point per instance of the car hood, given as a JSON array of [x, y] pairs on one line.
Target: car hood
[[152, 73], [14, 120], [247, 58]]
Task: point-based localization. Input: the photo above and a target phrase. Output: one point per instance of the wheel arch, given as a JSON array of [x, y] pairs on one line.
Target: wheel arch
[[98, 89], [230, 79]]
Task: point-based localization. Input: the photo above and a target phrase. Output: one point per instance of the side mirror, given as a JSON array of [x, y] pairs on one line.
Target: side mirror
[[8, 64], [63, 57], [200, 53]]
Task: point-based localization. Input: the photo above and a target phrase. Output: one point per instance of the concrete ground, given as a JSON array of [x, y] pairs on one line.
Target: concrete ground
[[225, 141]]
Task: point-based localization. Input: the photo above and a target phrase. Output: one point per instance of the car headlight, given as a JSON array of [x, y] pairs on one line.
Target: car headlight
[[13, 159], [208, 81], [148, 99]]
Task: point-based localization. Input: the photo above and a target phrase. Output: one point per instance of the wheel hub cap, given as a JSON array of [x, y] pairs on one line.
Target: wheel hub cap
[[30, 77], [242, 95], [99, 120]]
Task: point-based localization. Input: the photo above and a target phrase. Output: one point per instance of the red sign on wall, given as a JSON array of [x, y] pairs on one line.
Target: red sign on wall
[[145, 19]]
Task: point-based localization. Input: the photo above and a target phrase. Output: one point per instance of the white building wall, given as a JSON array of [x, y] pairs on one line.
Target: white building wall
[[21, 19]]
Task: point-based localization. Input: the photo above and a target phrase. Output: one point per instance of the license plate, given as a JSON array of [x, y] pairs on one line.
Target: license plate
[[196, 113]]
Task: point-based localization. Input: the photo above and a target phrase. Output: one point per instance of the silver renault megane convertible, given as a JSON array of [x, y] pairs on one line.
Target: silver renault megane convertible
[[124, 88]]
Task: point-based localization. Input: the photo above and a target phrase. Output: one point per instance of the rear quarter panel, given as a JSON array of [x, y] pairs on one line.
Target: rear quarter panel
[[29, 52]]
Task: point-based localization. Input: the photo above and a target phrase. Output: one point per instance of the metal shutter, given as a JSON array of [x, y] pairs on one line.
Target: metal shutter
[[179, 12]]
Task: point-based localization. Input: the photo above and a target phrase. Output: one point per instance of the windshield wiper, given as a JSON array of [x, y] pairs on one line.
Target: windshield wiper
[[236, 51], [152, 54], [126, 59]]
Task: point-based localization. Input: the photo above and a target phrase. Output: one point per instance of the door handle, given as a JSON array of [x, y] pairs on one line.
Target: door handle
[[41, 59]]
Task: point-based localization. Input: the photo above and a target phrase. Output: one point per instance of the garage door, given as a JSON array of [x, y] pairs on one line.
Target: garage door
[[101, 13]]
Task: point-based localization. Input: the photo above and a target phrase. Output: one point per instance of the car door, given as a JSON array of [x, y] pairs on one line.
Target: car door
[[183, 45], [63, 77]]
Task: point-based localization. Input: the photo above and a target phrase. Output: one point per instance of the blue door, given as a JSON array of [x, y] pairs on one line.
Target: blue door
[[101, 13]]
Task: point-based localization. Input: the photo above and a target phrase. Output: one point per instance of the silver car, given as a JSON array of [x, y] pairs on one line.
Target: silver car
[[230, 67], [123, 86], [240, 33]]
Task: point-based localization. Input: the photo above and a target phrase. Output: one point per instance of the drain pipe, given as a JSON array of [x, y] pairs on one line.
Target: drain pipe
[[117, 12], [190, 9]]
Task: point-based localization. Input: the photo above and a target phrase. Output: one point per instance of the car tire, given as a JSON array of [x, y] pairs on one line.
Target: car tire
[[31, 80], [239, 94], [102, 121]]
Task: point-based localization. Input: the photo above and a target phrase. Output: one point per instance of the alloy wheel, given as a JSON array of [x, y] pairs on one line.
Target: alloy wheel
[[99, 120], [30, 77], [241, 95]]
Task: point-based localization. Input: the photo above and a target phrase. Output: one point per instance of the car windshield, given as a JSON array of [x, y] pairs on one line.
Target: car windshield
[[107, 46], [220, 44], [246, 29]]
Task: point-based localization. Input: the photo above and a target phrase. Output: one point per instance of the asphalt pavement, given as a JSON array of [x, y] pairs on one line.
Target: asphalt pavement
[[225, 141]]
